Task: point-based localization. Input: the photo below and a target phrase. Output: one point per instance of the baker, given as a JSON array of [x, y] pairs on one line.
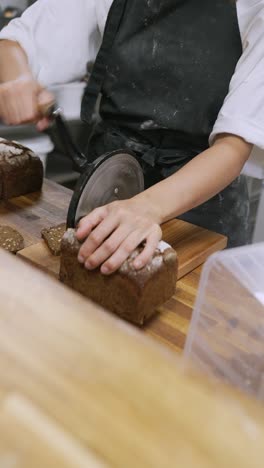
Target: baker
[[182, 86]]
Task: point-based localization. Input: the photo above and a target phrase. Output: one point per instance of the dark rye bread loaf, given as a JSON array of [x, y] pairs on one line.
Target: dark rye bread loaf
[[53, 237], [21, 171], [10, 239], [133, 295]]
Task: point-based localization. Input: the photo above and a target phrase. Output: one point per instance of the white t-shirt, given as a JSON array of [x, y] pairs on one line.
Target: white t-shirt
[[61, 36]]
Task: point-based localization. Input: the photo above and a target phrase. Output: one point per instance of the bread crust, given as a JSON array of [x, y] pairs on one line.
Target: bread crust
[[133, 295], [21, 171]]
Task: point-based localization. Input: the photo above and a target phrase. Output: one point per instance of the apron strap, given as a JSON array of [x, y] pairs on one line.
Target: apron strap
[[97, 77]]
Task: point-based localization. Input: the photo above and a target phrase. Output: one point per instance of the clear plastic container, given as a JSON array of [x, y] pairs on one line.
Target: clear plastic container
[[226, 337]]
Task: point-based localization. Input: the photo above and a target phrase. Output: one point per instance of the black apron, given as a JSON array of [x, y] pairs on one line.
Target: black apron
[[163, 72]]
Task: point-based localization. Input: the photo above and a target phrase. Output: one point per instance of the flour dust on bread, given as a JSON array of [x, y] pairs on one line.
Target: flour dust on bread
[[21, 170], [132, 294]]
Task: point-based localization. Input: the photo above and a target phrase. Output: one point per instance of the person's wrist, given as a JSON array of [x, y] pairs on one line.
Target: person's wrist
[[149, 206]]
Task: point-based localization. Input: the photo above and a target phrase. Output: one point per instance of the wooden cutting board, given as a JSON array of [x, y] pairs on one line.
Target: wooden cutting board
[[31, 213], [192, 243]]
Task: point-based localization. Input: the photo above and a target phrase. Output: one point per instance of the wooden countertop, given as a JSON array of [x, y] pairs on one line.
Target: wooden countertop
[[30, 214], [171, 325], [80, 389], [36, 211]]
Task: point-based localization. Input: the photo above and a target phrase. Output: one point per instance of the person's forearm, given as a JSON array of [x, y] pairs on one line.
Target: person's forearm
[[198, 181], [22, 97], [13, 61]]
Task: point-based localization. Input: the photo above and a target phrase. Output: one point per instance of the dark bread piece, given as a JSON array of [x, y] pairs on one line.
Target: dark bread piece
[[10, 239], [53, 237], [133, 295], [21, 171]]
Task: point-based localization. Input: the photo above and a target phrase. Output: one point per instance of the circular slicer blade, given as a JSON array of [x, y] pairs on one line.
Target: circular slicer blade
[[112, 177]]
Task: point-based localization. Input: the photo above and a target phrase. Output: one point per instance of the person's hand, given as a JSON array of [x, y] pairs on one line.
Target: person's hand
[[114, 231], [21, 102]]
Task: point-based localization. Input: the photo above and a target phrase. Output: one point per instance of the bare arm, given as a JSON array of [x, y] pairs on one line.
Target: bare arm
[[21, 96], [198, 181], [115, 230], [13, 62]]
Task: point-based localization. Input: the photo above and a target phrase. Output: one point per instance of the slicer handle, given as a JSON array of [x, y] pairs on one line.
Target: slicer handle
[[71, 150], [47, 109]]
